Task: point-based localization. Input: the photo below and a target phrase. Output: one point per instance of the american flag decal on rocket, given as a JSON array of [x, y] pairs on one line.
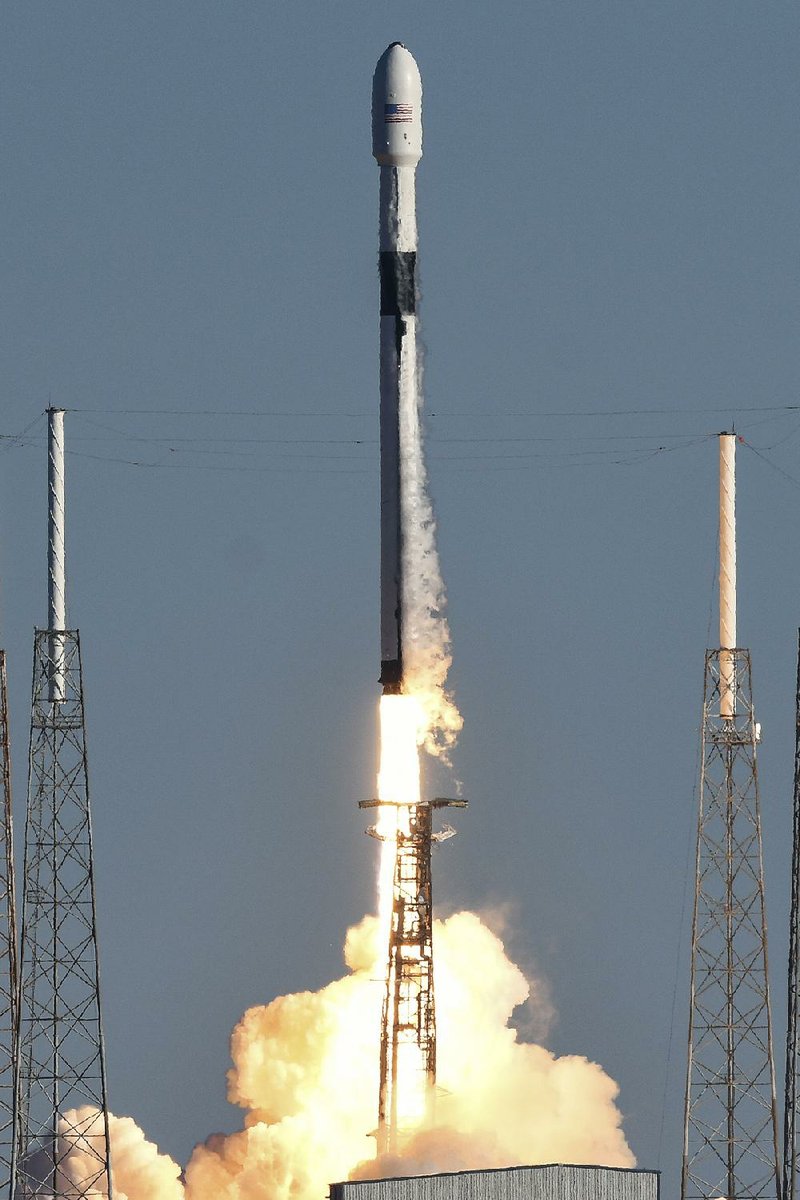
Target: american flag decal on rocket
[[397, 114]]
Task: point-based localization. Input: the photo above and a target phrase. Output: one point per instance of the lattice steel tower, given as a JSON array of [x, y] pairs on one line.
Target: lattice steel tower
[[62, 1143], [791, 1151], [408, 1014], [730, 1133], [8, 948]]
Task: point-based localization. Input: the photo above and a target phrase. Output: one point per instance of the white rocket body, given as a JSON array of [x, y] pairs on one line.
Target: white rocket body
[[397, 146]]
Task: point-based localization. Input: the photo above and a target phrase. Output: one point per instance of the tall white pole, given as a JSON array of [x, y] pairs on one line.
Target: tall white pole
[[56, 562], [727, 574]]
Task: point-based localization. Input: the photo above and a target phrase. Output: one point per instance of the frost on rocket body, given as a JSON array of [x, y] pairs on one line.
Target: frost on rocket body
[[305, 1072]]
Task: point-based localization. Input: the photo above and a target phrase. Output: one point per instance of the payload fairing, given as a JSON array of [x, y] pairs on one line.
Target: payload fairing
[[397, 145]]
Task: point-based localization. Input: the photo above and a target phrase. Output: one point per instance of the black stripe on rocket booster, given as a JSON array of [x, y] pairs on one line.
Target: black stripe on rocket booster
[[398, 283], [398, 288]]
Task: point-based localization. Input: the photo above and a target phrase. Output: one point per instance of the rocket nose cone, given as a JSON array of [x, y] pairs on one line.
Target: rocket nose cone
[[397, 108]]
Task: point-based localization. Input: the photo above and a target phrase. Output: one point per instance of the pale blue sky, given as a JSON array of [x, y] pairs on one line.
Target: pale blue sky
[[608, 221]]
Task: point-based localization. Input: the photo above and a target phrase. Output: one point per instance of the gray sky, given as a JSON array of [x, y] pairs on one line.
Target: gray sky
[[608, 224]]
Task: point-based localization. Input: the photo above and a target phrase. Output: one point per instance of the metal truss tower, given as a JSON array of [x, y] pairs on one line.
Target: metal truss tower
[[730, 1133], [408, 1015], [62, 1138], [791, 1151], [8, 949]]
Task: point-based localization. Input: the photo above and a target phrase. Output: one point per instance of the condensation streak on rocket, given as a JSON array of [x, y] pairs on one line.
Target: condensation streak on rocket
[[397, 145]]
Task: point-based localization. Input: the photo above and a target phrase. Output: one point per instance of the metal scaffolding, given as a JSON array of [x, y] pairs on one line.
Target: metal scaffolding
[[62, 1146], [408, 1015], [8, 949], [790, 1131], [730, 1131]]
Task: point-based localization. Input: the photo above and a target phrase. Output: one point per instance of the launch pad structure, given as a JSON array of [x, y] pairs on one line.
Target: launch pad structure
[[408, 1014], [730, 1117]]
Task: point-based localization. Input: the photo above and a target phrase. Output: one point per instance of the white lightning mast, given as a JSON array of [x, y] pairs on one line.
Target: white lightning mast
[[730, 1145], [727, 574], [61, 1123], [56, 561]]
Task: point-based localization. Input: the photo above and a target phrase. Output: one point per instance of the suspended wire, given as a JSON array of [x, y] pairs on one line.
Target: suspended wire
[[627, 412], [584, 413], [216, 412], [10, 440], [646, 452], [112, 433], [433, 439], [564, 459], [575, 453], [760, 454], [177, 466]]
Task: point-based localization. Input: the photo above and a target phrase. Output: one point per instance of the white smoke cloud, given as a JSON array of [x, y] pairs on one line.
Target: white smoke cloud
[[305, 1072], [138, 1170]]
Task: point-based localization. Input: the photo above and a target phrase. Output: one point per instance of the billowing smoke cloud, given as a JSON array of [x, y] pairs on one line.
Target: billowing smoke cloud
[[139, 1171], [305, 1072]]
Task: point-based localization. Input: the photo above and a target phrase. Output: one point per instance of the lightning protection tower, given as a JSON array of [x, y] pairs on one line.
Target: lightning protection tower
[[62, 1142], [408, 1015], [791, 1151], [730, 1132], [8, 949]]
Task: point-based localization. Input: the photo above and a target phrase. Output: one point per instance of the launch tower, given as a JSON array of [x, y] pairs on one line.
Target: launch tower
[[408, 1015], [730, 1122], [61, 1143]]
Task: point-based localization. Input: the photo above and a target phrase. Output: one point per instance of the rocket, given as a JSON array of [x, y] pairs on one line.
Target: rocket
[[397, 146]]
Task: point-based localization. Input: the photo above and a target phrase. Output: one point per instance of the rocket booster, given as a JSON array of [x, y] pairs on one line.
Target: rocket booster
[[397, 146]]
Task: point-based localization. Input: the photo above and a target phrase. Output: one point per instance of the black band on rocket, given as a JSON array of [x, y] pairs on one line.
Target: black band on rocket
[[398, 287]]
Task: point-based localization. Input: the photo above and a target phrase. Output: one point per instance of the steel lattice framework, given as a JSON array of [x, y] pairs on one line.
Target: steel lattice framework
[[790, 1147], [408, 1014], [730, 1132], [408, 1017], [62, 1144], [8, 948]]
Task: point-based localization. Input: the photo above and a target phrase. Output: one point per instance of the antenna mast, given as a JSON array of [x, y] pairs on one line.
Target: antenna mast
[[730, 1120]]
